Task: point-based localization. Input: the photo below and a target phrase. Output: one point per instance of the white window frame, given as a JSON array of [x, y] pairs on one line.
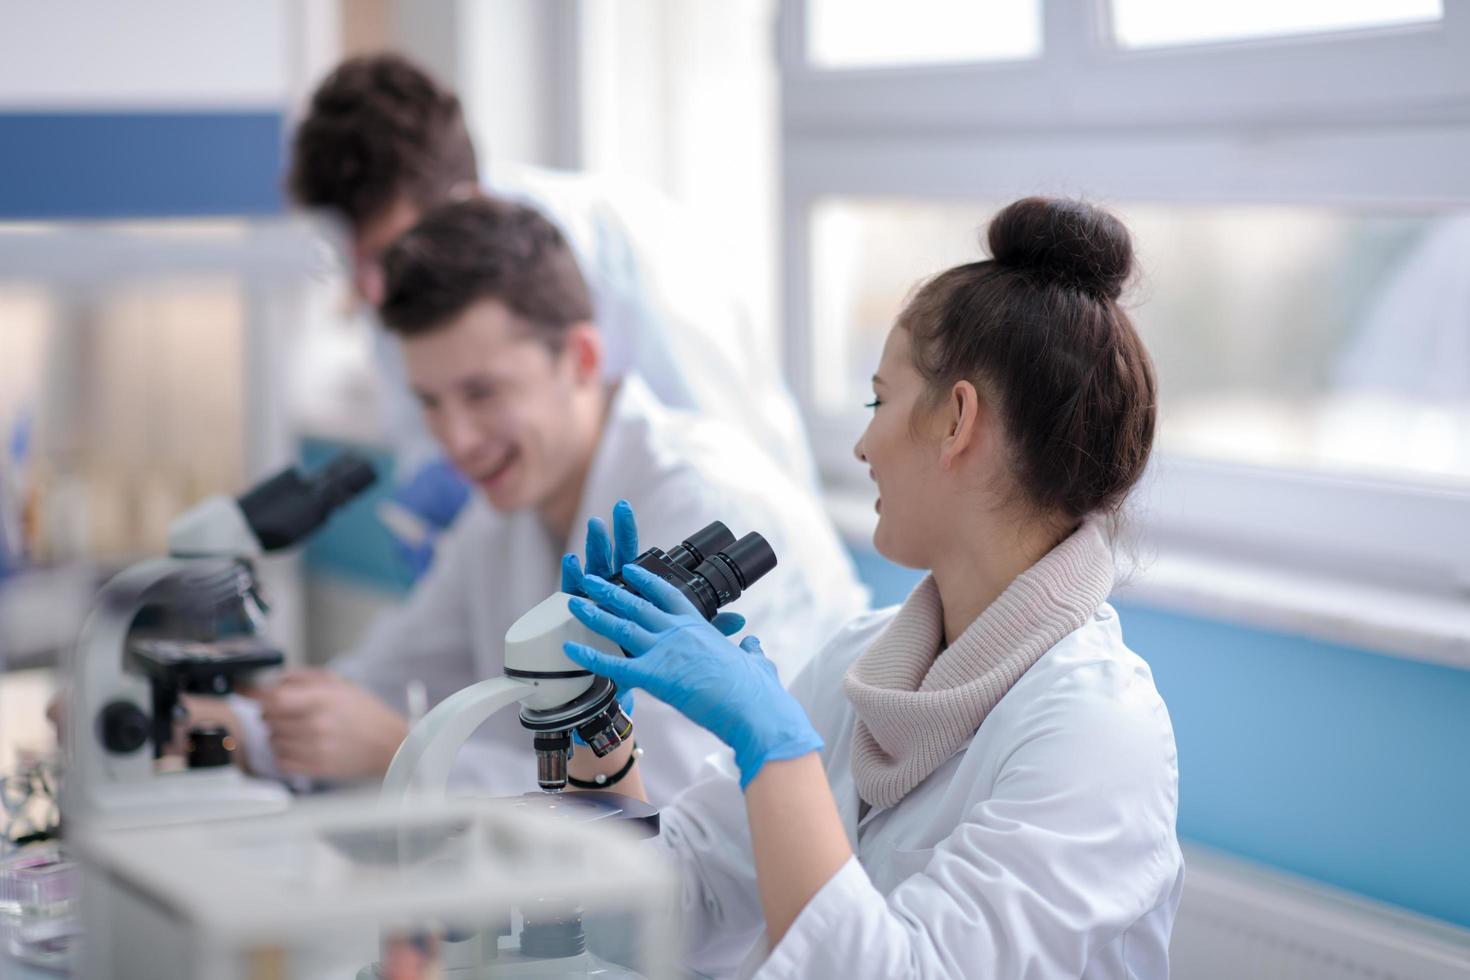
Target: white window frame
[[1370, 118]]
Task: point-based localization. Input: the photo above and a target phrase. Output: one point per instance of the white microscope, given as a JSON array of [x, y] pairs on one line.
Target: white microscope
[[558, 696], [190, 623]]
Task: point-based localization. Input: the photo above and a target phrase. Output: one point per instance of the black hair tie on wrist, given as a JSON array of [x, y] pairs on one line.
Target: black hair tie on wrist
[[603, 781]]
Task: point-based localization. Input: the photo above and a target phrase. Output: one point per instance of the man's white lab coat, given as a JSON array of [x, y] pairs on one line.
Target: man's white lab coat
[[680, 471], [1045, 848]]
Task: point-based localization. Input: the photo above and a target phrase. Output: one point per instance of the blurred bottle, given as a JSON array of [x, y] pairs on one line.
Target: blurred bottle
[[14, 489]]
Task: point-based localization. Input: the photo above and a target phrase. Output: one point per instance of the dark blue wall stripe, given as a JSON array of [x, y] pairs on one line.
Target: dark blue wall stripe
[[1338, 764], [140, 164]]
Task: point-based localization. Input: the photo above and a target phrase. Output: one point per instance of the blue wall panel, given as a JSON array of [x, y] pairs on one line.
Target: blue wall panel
[[80, 165], [1338, 764], [890, 583]]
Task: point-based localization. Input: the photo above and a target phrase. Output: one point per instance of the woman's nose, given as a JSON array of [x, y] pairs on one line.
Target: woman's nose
[[857, 450]]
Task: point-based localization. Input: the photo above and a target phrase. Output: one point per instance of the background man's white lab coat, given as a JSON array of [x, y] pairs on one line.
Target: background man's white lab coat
[[680, 471], [1045, 848], [665, 307]]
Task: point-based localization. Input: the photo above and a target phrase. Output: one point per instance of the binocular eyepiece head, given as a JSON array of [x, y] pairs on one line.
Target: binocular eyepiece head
[[711, 567]]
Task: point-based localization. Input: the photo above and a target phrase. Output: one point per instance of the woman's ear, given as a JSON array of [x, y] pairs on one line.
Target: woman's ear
[[583, 347], [963, 423]]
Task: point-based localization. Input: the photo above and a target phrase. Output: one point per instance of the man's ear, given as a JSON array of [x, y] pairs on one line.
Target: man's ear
[[583, 347], [964, 418]]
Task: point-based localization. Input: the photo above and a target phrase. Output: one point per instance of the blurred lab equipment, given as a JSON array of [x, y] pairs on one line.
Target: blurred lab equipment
[[29, 802], [453, 889], [38, 892], [558, 697], [146, 365], [190, 623]]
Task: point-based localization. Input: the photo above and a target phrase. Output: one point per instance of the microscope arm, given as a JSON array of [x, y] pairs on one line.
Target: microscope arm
[[426, 756]]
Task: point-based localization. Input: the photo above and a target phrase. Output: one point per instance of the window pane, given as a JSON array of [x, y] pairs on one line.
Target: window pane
[[130, 405], [1156, 23], [122, 394], [1284, 336], [879, 33]]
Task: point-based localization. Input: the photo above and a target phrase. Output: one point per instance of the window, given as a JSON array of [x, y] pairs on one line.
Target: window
[[128, 350], [1300, 213], [141, 412], [1311, 338], [1158, 23], [878, 33]]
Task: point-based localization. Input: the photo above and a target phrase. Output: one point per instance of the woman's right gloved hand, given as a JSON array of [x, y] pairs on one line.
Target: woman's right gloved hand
[[684, 661]]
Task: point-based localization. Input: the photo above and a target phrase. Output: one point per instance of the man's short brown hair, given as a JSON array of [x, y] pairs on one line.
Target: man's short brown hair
[[379, 127], [483, 248]]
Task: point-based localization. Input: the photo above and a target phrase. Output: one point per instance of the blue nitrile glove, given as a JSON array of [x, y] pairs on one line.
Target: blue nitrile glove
[[600, 562], [417, 511], [605, 554], [688, 664], [437, 493]]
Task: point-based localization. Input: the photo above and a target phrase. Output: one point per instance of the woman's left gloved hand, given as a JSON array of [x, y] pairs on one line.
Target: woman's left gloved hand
[[608, 552], [684, 661]]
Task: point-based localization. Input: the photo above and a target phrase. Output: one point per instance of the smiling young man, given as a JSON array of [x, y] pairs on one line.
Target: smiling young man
[[501, 350]]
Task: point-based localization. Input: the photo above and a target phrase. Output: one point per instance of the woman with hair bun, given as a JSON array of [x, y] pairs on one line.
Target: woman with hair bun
[[981, 782]]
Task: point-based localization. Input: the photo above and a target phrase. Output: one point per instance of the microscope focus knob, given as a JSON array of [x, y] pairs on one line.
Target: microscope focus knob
[[124, 727], [210, 745]]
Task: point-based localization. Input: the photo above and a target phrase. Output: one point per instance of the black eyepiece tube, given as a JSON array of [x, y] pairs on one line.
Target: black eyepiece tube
[[700, 545], [751, 557], [286, 508], [343, 478]]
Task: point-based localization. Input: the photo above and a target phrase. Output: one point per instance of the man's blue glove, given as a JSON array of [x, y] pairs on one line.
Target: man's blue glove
[[437, 493], [417, 511], [690, 665]]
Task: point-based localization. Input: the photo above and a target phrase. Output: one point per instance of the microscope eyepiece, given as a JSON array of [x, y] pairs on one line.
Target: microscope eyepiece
[[750, 558], [290, 505], [711, 567], [708, 541], [344, 477]]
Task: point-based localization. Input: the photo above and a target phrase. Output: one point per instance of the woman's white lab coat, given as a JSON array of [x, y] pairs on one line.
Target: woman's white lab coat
[[679, 471], [1045, 848]]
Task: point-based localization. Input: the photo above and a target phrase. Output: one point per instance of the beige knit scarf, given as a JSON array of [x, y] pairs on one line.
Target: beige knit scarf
[[919, 703]]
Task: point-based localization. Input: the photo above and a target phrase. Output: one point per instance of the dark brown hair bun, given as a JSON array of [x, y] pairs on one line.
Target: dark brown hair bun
[[1068, 241], [1039, 329]]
